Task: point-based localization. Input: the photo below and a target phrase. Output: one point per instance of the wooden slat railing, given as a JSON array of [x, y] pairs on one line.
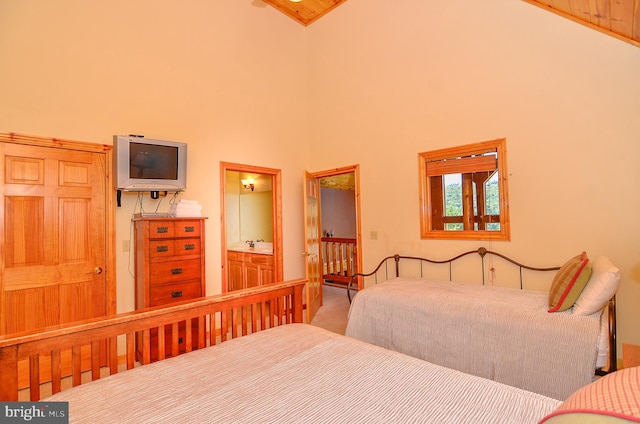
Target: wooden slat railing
[[250, 310], [339, 259]]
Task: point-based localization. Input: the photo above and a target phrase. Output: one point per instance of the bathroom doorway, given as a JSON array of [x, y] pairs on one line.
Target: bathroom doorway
[[251, 225]]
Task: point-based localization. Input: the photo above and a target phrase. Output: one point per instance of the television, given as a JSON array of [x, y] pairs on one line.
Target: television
[[144, 164]]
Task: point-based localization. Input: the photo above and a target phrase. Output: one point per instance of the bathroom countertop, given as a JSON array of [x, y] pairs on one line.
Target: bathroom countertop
[[251, 250]]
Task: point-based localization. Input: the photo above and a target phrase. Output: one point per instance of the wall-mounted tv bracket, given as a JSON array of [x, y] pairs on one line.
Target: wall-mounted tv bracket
[[154, 195]]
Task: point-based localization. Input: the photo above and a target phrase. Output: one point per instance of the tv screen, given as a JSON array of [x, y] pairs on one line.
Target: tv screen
[[152, 161], [143, 164]]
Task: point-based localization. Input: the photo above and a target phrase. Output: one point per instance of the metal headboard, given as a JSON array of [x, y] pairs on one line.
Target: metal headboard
[[482, 251]]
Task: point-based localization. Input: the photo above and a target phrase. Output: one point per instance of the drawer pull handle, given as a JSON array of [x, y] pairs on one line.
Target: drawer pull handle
[[176, 271], [176, 294], [162, 249], [189, 229], [162, 230], [189, 246]]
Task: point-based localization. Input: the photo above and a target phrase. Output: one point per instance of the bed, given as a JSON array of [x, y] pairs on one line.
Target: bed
[[504, 334], [289, 374], [35, 364], [258, 363]]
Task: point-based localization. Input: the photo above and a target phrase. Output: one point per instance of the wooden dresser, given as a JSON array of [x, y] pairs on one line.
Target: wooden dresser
[[169, 267]]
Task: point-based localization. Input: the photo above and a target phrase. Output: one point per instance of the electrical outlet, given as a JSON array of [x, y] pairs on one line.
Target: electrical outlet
[[126, 245]]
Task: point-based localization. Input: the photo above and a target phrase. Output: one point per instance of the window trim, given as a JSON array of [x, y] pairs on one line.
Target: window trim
[[426, 219]]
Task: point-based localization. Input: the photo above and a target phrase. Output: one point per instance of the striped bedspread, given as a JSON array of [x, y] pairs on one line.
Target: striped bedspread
[[499, 333], [298, 373]]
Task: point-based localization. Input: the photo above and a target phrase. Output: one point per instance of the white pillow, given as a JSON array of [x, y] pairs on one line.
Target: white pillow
[[601, 287]]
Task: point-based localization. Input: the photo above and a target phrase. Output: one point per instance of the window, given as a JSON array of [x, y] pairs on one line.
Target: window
[[463, 192]]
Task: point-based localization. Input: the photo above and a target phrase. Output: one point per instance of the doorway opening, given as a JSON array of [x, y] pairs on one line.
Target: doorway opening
[[251, 226], [339, 243], [333, 235]]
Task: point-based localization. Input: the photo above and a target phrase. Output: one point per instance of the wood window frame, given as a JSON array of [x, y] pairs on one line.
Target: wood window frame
[[465, 160]]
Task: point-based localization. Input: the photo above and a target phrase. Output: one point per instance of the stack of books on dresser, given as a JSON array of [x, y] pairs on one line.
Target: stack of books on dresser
[[186, 208]]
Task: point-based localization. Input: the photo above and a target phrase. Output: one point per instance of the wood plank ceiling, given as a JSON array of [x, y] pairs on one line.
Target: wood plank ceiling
[[305, 11], [339, 182], [618, 18]]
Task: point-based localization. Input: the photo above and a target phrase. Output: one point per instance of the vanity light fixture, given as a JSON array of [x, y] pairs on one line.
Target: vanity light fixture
[[295, 1], [248, 183]]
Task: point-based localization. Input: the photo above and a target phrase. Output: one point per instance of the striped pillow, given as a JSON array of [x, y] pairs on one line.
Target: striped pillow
[[568, 283], [614, 398]]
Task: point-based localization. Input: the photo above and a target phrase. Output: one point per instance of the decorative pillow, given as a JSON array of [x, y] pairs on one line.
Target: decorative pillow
[[614, 398], [601, 287], [569, 282]]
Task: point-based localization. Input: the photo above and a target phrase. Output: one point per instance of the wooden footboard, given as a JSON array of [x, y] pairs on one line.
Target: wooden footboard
[[220, 317]]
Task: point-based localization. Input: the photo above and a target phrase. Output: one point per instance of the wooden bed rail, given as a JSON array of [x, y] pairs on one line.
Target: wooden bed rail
[[610, 309], [227, 315]]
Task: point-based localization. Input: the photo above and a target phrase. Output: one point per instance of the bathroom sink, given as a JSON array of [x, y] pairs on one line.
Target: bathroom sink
[[261, 247], [264, 245], [264, 251]]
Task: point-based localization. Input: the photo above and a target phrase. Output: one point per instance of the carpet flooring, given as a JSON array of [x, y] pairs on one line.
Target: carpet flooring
[[333, 313]]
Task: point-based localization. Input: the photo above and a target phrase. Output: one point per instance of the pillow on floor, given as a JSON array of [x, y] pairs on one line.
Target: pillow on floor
[[614, 398], [568, 283], [601, 287]]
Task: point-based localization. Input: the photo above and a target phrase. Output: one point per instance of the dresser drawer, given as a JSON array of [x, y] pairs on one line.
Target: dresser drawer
[[162, 248], [173, 247], [169, 293], [161, 229], [187, 228], [174, 271], [188, 246]]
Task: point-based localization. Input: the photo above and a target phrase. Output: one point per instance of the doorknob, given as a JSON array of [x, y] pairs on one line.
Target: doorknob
[[97, 270]]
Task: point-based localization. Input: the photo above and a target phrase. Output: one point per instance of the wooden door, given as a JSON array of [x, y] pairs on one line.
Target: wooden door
[[54, 235], [312, 252]]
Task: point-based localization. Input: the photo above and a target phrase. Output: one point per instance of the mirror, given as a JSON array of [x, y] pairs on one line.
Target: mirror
[[249, 208]]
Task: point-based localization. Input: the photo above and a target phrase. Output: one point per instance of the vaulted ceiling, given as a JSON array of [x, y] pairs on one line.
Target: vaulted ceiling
[[305, 11], [618, 18]]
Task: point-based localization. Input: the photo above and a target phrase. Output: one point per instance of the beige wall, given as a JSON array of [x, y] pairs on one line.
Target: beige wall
[[227, 77], [372, 83], [338, 212], [391, 79]]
